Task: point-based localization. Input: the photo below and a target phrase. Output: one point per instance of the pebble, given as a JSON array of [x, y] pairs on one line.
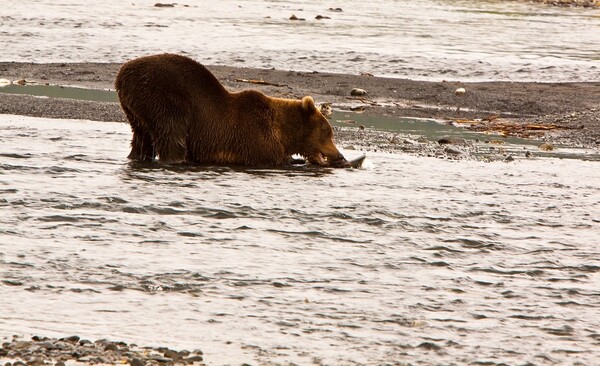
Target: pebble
[[72, 339], [460, 91], [452, 151], [194, 359], [451, 140], [546, 146], [111, 347], [136, 362], [357, 92]]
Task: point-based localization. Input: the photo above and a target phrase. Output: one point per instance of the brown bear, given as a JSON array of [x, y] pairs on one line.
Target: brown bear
[[180, 112]]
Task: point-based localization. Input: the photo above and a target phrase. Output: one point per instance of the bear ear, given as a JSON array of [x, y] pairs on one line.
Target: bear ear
[[308, 104]]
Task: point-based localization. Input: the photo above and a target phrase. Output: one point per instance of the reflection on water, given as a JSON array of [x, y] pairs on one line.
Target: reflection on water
[[424, 39], [416, 260]]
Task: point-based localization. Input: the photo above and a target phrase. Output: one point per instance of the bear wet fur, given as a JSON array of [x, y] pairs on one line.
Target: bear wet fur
[[180, 112]]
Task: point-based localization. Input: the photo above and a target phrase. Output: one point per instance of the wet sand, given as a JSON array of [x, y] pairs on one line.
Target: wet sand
[[563, 113]]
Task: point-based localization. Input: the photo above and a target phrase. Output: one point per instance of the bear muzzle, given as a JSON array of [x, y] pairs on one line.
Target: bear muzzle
[[333, 159]]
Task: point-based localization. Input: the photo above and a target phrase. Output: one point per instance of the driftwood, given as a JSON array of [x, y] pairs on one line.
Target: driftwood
[[363, 100], [505, 128], [258, 81]]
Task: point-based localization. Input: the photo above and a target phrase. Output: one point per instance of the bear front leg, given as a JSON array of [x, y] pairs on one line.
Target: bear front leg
[[142, 147], [172, 150]]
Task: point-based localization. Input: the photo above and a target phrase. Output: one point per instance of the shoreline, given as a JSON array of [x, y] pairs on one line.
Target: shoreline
[[561, 113]]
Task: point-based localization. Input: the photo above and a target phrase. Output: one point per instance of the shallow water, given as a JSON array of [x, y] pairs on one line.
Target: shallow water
[[429, 39], [415, 260], [59, 91]]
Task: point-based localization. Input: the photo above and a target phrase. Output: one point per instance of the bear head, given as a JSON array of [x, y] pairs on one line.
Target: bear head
[[320, 148]]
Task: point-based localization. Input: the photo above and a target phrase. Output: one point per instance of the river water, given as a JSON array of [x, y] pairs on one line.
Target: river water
[[418, 39], [409, 260]]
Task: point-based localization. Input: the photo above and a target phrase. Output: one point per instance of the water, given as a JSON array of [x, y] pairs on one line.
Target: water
[[59, 91], [429, 39], [414, 260], [409, 260]]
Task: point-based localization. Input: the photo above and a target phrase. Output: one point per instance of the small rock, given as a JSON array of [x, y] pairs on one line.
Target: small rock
[[357, 92], [59, 363], [361, 127], [21, 345], [527, 154], [111, 347], [161, 359], [136, 362], [46, 345], [294, 17], [20, 82], [452, 151], [194, 359], [337, 10], [429, 346], [546, 146], [460, 91], [349, 147], [509, 158], [161, 5], [319, 17], [172, 354], [71, 339], [451, 140]]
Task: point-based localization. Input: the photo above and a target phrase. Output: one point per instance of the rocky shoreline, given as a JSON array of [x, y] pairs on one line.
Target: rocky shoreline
[[73, 350]]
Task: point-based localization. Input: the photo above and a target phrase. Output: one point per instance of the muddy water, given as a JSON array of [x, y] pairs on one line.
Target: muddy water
[[416, 260], [424, 39]]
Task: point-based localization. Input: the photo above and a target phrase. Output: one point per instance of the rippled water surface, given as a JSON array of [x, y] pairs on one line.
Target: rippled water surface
[[415, 260], [425, 39]]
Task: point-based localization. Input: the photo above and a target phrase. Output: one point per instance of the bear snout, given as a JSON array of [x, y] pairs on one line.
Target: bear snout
[[340, 162]]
